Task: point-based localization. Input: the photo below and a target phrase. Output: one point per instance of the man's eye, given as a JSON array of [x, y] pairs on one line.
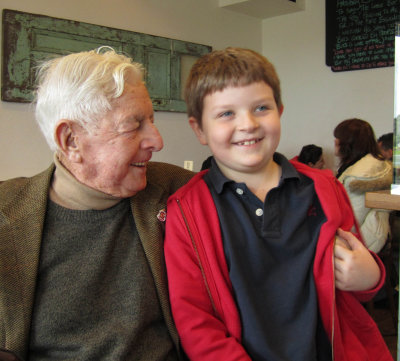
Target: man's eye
[[132, 129], [136, 125]]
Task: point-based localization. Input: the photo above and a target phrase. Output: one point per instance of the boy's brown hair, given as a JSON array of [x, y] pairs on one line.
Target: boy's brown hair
[[230, 67]]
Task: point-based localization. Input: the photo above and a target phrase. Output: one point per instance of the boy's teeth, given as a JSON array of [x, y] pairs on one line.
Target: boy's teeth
[[248, 142]]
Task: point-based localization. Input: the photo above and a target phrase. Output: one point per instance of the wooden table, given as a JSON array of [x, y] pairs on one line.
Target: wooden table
[[385, 200], [382, 199]]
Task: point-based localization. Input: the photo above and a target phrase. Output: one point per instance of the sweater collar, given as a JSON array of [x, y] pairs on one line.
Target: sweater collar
[[68, 192]]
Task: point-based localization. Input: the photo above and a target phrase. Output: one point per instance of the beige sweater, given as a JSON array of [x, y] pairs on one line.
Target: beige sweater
[[366, 175]]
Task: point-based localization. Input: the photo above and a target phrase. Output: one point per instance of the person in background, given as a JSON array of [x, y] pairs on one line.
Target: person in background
[[81, 258], [255, 245], [312, 155], [385, 144], [363, 169]]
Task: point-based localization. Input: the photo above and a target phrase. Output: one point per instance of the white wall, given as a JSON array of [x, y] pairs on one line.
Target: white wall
[[22, 148], [315, 98]]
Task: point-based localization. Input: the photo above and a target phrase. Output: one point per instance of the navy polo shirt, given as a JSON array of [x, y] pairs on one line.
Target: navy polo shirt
[[270, 248]]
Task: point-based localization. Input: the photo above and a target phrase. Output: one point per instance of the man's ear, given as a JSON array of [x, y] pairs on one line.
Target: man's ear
[[65, 136], [198, 130]]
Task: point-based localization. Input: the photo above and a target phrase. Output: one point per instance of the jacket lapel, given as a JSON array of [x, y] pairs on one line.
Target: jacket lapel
[[21, 225], [146, 205]]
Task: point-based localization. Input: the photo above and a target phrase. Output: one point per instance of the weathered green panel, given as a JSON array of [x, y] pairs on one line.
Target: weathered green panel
[[49, 41], [157, 63], [28, 39], [183, 47], [175, 75]]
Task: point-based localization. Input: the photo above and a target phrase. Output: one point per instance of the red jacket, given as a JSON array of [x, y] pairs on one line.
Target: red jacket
[[201, 297]]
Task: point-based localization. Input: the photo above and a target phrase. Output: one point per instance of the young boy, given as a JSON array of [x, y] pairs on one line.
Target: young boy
[[250, 242]]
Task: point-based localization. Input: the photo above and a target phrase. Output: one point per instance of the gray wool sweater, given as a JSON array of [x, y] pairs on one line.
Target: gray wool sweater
[[95, 297]]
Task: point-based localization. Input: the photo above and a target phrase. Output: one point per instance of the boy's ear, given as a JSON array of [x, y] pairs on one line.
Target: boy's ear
[[197, 130], [65, 137], [281, 110]]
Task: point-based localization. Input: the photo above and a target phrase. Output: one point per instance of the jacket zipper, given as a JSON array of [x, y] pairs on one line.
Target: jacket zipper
[[197, 254]]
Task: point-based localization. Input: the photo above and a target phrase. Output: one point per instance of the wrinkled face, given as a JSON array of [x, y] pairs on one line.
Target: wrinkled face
[[114, 158], [241, 125]]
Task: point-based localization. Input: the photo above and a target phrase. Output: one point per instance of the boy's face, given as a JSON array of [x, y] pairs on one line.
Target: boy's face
[[241, 125]]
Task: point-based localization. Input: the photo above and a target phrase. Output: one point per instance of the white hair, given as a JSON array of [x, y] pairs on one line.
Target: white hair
[[80, 87]]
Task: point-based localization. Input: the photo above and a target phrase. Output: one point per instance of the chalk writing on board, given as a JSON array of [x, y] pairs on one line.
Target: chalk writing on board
[[364, 32]]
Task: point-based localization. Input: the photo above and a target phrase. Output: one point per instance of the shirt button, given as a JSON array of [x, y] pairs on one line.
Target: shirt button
[[259, 212], [239, 191]]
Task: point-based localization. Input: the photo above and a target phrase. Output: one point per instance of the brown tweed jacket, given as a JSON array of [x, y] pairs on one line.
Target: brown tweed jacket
[[22, 212]]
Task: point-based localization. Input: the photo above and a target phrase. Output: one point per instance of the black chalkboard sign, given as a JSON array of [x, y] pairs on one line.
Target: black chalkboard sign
[[360, 33]]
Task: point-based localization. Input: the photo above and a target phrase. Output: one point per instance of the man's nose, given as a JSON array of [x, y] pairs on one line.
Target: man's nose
[[153, 139]]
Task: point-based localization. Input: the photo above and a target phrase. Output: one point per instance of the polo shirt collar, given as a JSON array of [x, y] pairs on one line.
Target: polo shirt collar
[[218, 180]]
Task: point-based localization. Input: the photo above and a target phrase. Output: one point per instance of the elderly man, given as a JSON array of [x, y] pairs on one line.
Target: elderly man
[[81, 261]]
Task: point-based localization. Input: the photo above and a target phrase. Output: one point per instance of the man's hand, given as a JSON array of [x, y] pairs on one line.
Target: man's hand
[[355, 267]]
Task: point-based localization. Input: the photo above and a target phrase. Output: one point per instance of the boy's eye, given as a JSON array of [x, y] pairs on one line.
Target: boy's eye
[[228, 113], [261, 108]]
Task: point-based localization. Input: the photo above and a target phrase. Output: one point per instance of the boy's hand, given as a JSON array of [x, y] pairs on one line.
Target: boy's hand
[[355, 267]]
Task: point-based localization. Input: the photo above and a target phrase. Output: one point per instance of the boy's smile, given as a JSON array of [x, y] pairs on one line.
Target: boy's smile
[[241, 125], [249, 142]]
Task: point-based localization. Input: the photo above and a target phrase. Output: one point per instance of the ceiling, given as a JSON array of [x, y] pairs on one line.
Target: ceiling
[[263, 9]]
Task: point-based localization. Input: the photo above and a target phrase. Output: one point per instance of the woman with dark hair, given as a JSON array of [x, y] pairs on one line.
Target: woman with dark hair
[[311, 155], [363, 169]]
